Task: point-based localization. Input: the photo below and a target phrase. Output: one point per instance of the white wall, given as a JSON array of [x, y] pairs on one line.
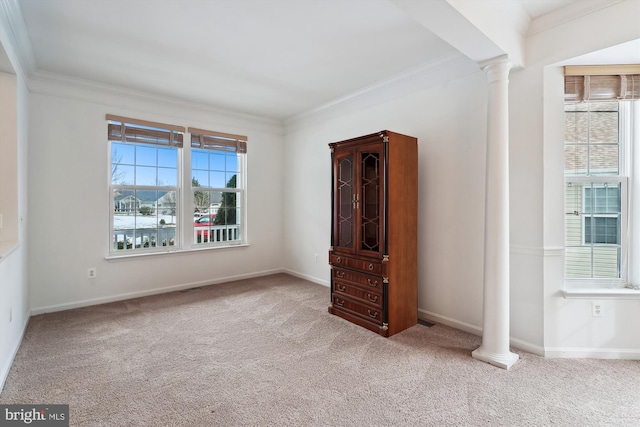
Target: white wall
[[69, 200], [537, 138], [14, 302], [450, 124]]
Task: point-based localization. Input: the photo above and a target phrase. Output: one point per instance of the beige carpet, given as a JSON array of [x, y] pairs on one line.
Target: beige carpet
[[265, 352]]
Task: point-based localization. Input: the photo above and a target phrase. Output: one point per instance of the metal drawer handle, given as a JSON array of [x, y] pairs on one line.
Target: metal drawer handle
[[370, 266], [340, 287], [373, 315], [372, 298], [339, 274], [339, 302], [375, 283], [338, 260]]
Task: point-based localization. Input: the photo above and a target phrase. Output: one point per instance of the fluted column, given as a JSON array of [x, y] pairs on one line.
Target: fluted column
[[495, 324]]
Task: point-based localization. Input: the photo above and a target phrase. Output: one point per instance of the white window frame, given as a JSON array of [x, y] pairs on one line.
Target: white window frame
[[184, 232], [626, 137]]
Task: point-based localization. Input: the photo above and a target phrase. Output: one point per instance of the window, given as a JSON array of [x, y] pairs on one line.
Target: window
[[145, 196], [595, 191], [217, 184], [148, 204]]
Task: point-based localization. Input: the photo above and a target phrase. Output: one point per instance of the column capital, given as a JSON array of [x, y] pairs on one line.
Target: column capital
[[497, 68]]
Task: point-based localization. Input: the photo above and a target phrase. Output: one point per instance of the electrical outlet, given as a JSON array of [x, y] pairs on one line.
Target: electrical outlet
[[596, 309], [91, 273], [10, 314], [316, 257]]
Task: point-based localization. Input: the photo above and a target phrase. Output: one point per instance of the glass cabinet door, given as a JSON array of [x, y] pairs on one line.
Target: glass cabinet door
[[345, 201], [369, 199]]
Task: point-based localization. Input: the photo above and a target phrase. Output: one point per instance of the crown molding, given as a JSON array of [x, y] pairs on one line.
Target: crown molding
[[447, 68], [18, 36], [53, 84], [566, 14]]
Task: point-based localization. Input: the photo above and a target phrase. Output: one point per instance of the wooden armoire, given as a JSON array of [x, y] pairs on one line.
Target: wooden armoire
[[374, 244]]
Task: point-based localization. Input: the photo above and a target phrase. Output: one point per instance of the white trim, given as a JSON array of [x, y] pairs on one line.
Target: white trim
[[599, 293], [138, 294], [566, 14], [437, 318], [309, 278], [591, 353], [446, 69], [476, 330], [5, 369], [13, 20], [66, 87]]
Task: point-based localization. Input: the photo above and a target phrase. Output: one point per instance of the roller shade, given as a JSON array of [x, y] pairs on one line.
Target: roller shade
[[212, 140], [601, 83], [140, 131]]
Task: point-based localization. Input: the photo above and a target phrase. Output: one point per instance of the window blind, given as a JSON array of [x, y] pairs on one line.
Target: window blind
[[601, 83], [212, 140], [141, 131]]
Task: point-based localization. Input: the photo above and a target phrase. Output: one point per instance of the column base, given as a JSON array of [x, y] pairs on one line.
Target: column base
[[501, 360]]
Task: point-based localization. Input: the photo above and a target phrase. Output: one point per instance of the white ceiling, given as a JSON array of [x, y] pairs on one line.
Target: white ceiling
[[272, 58]]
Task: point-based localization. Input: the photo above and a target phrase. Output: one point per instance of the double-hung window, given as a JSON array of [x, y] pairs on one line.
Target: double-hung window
[[217, 184], [598, 168], [153, 207], [145, 192]]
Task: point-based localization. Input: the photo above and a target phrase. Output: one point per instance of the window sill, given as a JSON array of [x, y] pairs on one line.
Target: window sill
[[129, 257], [600, 293]]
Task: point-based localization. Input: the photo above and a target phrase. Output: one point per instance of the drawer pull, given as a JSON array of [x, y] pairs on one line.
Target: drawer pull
[[373, 315], [339, 274], [374, 283], [372, 298], [340, 287], [339, 302], [370, 267], [338, 260]]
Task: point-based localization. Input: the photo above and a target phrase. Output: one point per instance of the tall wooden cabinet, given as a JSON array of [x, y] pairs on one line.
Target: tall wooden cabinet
[[373, 254]]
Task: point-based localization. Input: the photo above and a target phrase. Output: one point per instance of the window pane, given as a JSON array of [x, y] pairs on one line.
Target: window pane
[[168, 177], [603, 127], [143, 219], [168, 157], [200, 178], [122, 153], [217, 161], [199, 159], [146, 156], [145, 175], [217, 179], [231, 163], [575, 159], [603, 160], [576, 127], [122, 175], [231, 180]]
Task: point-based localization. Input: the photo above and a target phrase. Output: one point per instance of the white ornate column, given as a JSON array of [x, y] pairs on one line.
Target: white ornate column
[[495, 324]]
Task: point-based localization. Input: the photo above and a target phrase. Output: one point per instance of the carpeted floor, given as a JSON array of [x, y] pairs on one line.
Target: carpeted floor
[[265, 352]]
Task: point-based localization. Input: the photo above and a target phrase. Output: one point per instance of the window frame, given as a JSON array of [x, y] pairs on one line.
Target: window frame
[[625, 162], [184, 212]]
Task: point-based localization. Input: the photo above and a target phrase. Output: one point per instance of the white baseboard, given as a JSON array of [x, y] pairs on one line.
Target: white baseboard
[[5, 369], [591, 353], [138, 294], [476, 330], [307, 277]]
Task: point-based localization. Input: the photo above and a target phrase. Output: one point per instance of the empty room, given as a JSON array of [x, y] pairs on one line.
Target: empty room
[[319, 212]]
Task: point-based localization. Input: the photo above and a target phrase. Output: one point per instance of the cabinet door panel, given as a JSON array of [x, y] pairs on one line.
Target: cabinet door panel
[[345, 196], [370, 198]]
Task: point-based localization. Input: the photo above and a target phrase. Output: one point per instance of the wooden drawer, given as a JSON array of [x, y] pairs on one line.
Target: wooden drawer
[[371, 267], [369, 297], [373, 283], [361, 310]]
